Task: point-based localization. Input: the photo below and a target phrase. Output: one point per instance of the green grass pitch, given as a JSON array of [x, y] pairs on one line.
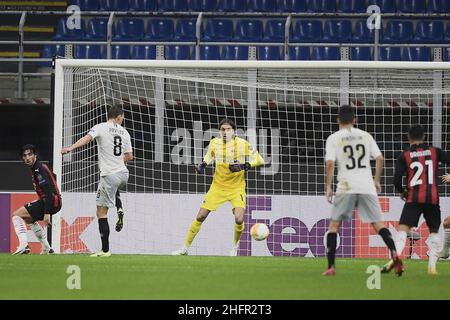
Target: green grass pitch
[[205, 278]]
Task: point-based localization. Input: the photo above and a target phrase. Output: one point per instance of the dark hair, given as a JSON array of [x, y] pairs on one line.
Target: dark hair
[[115, 111], [227, 121], [27, 147], [346, 114], [416, 132]]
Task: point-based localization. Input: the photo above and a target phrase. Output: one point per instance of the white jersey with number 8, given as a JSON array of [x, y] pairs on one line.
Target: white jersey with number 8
[[113, 141]]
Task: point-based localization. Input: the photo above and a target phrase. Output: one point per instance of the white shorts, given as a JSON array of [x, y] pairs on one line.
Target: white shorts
[[367, 204], [108, 186]]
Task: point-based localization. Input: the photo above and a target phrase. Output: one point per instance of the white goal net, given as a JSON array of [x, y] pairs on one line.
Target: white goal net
[[286, 110]]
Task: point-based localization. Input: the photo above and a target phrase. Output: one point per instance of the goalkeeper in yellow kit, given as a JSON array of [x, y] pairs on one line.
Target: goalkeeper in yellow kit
[[230, 154]]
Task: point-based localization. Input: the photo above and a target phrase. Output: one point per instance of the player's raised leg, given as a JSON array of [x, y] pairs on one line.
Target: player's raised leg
[[386, 235], [19, 219], [238, 229], [120, 213], [194, 228]]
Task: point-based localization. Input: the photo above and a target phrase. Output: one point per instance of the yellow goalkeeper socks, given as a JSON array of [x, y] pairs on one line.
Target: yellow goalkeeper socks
[[194, 228], [238, 229]]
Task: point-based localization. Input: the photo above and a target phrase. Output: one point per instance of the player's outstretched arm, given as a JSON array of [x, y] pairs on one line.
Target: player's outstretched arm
[[80, 143]]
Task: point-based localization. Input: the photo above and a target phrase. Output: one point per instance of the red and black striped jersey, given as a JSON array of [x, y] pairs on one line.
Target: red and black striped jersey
[[420, 165], [45, 185]]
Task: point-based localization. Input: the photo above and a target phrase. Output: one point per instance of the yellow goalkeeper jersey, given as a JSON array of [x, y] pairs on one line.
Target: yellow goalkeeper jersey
[[226, 153]]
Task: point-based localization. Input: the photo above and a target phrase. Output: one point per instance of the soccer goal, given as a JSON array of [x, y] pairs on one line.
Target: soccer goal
[[285, 109]]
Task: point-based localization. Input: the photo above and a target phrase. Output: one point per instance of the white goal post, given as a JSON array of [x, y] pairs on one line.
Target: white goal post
[[285, 109]]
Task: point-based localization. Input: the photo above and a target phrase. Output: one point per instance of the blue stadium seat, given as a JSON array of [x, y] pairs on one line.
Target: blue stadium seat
[[120, 52], [113, 5], [143, 52], [97, 29], [389, 54], [337, 31], [291, 5], [325, 53], [438, 6], [159, 30], [352, 6], [446, 54], [248, 30], [86, 5], [321, 6], [307, 31], [234, 53], [218, 30], [269, 53], [89, 51], [398, 32], [173, 6], [128, 29], [203, 5], [416, 54], [386, 6], [178, 52], [209, 53], [274, 31], [362, 34], [411, 6], [361, 53], [143, 5], [429, 32], [185, 30], [49, 51], [232, 6], [299, 53], [64, 33], [262, 6]]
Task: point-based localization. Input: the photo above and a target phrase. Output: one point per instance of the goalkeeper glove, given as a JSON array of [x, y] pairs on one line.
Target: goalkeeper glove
[[200, 168], [236, 167]]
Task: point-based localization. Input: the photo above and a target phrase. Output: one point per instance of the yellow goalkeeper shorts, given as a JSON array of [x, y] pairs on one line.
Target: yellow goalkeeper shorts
[[217, 196]]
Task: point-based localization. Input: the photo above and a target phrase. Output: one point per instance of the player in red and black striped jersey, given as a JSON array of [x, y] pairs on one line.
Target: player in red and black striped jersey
[[419, 164], [49, 202]]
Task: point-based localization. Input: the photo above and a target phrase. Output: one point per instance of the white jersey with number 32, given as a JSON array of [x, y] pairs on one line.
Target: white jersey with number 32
[[113, 141], [353, 149]]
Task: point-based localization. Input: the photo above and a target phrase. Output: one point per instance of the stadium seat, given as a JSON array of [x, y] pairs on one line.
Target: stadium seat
[[386, 6], [411, 6], [159, 30], [438, 6], [291, 5], [248, 30], [274, 31], [232, 6], [113, 5], [209, 53], [86, 5], [178, 52], [429, 32], [307, 31], [203, 5], [321, 6], [218, 30], [361, 53], [262, 6], [337, 31], [173, 6], [416, 54], [389, 54], [120, 52], [269, 53], [49, 51], [64, 33], [299, 53], [325, 53], [89, 51], [352, 6], [185, 30], [128, 29], [143, 5], [143, 52], [398, 32], [234, 53], [362, 34], [446, 54], [97, 29]]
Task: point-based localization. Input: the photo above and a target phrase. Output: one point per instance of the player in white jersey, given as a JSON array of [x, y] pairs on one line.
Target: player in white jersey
[[352, 149], [114, 150]]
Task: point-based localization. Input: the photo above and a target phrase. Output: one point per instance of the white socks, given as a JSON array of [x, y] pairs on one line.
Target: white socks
[[433, 246], [21, 230], [400, 241], [40, 234]]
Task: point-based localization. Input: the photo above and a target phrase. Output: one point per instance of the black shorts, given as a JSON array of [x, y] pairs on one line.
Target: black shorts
[[431, 212], [36, 209]]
